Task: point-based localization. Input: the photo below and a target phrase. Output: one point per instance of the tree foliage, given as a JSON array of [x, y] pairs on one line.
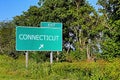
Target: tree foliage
[[111, 42], [85, 32], [7, 38]]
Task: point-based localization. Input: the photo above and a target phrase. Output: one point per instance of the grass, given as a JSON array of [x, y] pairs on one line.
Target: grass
[[11, 69]]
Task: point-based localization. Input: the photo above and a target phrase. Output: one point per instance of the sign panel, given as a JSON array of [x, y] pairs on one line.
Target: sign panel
[[51, 24], [38, 39]]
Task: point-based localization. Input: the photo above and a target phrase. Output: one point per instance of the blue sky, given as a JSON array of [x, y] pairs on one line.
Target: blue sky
[[93, 3], [11, 8]]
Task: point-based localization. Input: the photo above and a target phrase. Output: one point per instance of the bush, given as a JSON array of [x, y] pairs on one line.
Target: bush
[[15, 69]]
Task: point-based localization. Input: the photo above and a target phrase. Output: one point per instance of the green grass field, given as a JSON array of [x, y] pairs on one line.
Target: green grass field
[[11, 69]]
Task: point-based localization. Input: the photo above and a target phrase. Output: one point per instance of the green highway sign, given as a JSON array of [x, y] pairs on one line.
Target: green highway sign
[[51, 24], [38, 39]]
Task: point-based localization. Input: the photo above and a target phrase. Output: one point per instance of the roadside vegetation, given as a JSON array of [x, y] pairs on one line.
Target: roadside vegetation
[[91, 42], [83, 70]]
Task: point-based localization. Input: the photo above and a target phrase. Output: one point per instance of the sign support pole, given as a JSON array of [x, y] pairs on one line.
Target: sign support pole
[[57, 59], [26, 55], [51, 57]]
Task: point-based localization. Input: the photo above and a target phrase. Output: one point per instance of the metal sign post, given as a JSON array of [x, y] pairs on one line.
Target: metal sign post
[[26, 55], [57, 59], [51, 57]]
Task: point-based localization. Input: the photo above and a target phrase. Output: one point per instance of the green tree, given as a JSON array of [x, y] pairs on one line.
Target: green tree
[[111, 11], [86, 25], [7, 37]]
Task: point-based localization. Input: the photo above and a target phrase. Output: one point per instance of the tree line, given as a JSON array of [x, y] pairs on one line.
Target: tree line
[[87, 33]]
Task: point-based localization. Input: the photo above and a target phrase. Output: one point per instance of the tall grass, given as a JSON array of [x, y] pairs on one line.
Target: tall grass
[[11, 69]]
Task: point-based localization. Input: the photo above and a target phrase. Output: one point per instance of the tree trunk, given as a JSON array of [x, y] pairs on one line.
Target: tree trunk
[[1, 50], [68, 50], [88, 53]]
